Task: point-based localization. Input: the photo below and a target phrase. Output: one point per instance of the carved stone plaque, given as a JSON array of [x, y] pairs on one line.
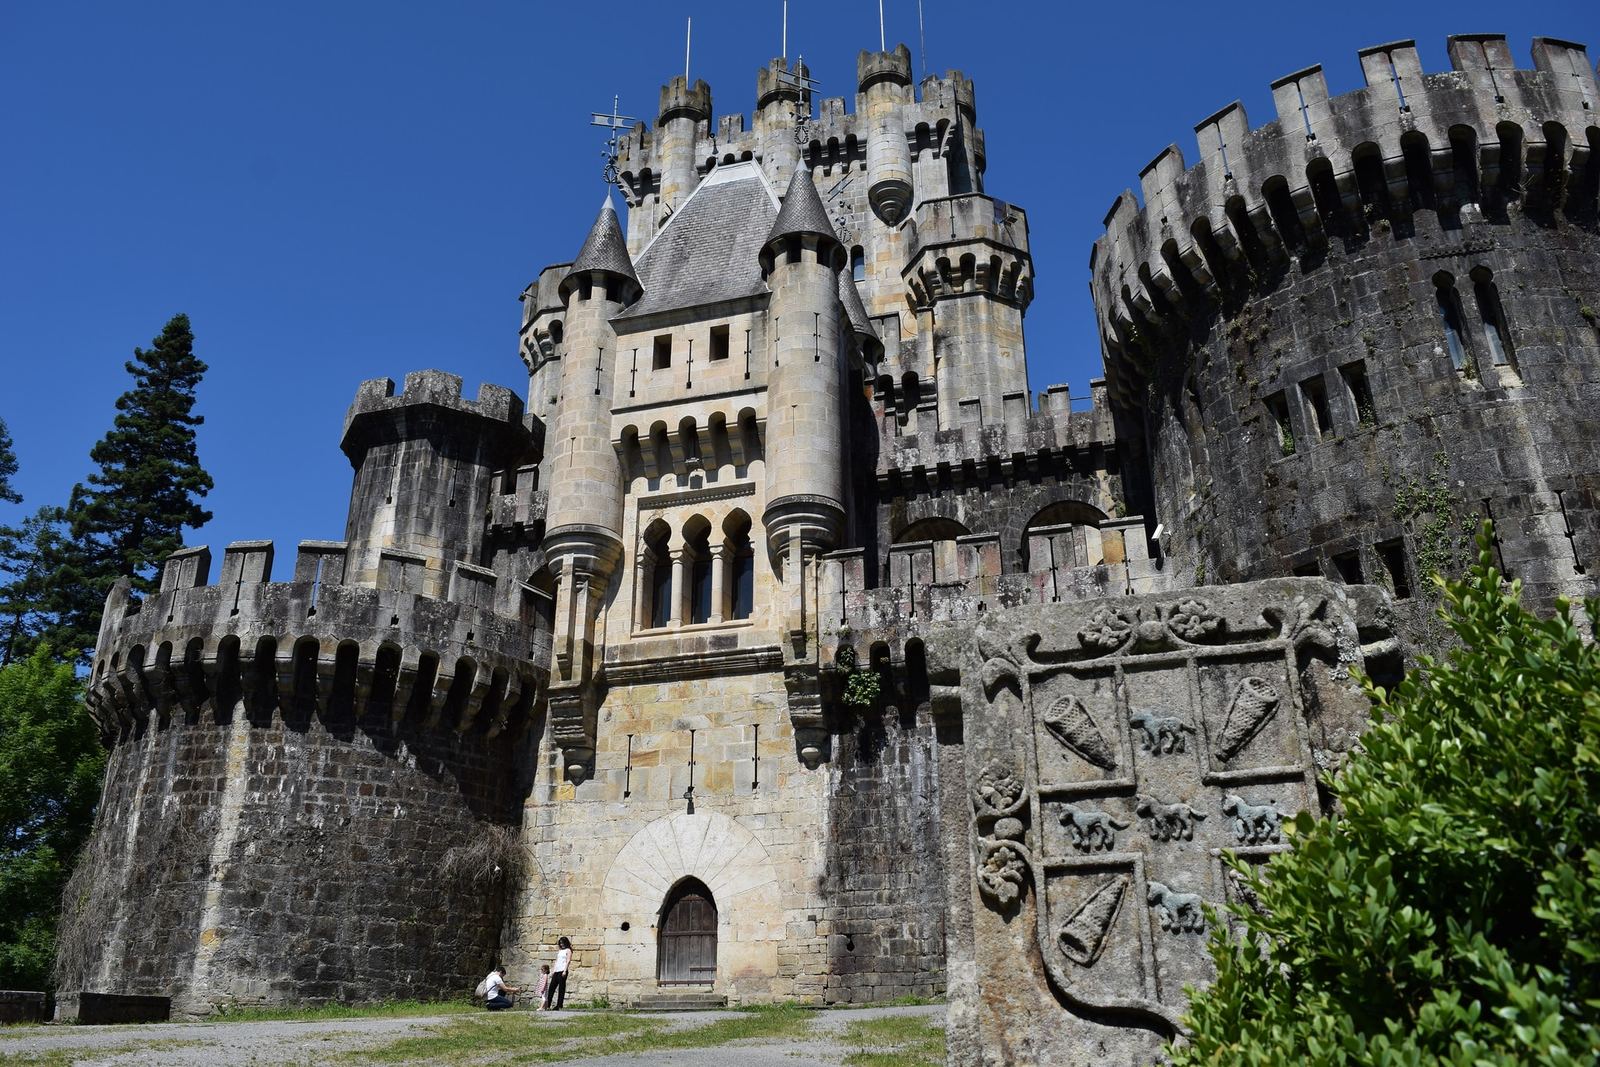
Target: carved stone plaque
[[1136, 741]]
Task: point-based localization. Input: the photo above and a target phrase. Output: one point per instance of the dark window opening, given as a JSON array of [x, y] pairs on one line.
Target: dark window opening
[[700, 591], [1278, 407], [663, 352], [1493, 316], [1449, 302], [1315, 396], [1348, 564], [719, 342], [661, 592], [1360, 392], [858, 264], [1393, 556], [1307, 570], [744, 582]]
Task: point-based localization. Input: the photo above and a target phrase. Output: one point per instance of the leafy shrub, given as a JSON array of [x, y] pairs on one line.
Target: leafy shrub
[[1451, 912]]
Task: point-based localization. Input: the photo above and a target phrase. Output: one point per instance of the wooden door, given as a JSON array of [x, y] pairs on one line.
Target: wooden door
[[687, 951]]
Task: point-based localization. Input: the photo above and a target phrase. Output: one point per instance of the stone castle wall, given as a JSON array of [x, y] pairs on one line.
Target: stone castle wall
[[1357, 331]]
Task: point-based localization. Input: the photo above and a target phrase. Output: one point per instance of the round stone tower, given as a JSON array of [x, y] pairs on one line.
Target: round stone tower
[[1348, 336], [802, 258], [884, 79], [685, 110]]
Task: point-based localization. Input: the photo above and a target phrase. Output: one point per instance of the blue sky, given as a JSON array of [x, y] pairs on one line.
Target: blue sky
[[346, 190]]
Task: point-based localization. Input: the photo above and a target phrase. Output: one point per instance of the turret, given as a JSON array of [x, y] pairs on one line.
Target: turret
[[684, 108], [970, 280], [583, 538], [805, 438], [884, 80], [424, 469], [778, 101]]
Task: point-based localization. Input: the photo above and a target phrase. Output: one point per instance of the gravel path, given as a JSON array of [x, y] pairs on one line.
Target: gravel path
[[281, 1044]]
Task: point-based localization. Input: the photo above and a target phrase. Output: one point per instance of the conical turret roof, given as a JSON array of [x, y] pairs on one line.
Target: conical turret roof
[[802, 210], [605, 249]]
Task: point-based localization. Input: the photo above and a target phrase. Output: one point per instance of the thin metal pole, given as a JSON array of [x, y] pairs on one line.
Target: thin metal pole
[[786, 33], [922, 43], [881, 46], [688, 30]]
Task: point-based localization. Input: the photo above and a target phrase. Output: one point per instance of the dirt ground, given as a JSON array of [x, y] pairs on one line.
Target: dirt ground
[[278, 1044]]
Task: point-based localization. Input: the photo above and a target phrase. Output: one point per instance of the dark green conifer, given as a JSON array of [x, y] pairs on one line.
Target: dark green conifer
[[8, 467]]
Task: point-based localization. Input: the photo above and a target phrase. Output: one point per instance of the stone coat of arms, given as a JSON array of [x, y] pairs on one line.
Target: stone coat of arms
[[1119, 759]]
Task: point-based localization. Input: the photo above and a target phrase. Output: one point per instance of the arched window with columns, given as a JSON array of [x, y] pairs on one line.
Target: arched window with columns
[[655, 577], [739, 561], [699, 570]]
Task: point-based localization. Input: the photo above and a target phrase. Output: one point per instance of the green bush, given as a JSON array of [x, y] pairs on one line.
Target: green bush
[[1451, 912]]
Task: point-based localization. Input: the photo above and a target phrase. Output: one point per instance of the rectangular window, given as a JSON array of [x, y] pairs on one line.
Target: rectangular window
[[1278, 408], [719, 342], [1393, 556], [663, 352], [1348, 564], [1315, 396], [1359, 390]]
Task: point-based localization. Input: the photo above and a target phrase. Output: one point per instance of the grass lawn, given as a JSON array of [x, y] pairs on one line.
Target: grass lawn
[[894, 1041], [520, 1037], [389, 1009]]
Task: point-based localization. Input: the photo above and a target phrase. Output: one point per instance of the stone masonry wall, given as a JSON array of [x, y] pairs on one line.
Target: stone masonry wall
[[244, 864]]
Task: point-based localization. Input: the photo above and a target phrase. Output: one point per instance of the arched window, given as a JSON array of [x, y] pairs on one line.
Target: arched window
[[697, 552], [1449, 304], [658, 577], [740, 559], [1073, 538], [1496, 334]]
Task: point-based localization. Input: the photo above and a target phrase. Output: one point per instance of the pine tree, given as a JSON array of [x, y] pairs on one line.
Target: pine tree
[[132, 513], [30, 555], [8, 467]]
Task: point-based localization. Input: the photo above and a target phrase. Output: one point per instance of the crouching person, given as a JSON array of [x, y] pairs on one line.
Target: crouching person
[[497, 996]]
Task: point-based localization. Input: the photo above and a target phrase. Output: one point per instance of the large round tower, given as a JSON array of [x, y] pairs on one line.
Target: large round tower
[[1353, 333]]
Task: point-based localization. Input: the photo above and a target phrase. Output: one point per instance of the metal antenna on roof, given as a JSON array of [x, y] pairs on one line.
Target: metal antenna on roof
[[804, 86], [618, 125], [785, 52], [688, 30], [922, 45], [881, 46]]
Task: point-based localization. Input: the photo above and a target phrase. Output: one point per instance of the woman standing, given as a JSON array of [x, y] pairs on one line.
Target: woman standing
[[555, 994]]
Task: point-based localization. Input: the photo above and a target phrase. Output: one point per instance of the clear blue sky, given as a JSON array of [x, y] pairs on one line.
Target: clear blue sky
[[346, 190]]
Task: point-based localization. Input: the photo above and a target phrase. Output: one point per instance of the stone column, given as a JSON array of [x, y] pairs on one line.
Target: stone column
[[679, 592], [642, 587], [719, 584]]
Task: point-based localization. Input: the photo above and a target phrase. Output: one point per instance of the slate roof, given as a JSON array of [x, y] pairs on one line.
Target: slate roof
[[802, 209], [605, 248], [709, 251], [854, 308]]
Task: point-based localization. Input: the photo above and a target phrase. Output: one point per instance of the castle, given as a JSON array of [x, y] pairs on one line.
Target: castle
[[784, 645]]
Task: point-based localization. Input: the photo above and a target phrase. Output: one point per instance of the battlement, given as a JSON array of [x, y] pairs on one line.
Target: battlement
[[1260, 195], [967, 244], [934, 582], [680, 100], [437, 389], [1012, 439], [317, 644], [875, 67]]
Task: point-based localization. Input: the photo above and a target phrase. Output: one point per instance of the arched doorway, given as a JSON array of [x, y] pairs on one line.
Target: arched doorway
[[686, 951]]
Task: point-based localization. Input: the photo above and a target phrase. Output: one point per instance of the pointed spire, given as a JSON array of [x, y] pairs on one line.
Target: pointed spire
[[802, 210], [605, 249]]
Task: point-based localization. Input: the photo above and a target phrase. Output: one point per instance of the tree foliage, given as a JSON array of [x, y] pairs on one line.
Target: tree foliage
[[1451, 912], [50, 764], [8, 467], [126, 518]]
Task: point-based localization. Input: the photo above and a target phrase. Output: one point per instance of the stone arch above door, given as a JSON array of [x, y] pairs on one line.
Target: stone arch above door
[[711, 847]]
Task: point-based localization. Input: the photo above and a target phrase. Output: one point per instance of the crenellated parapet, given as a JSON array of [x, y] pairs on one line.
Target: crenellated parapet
[[916, 444], [930, 584], [318, 645], [969, 244], [1484, 136]]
